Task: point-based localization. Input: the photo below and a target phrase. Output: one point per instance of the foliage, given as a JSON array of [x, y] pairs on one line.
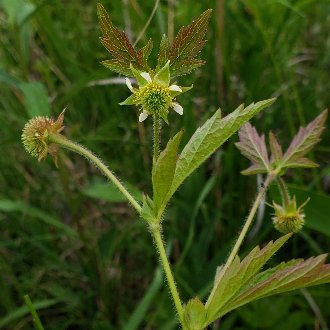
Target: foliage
[[65, 262]]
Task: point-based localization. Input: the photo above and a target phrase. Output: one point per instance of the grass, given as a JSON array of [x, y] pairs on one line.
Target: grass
[[84, 258]]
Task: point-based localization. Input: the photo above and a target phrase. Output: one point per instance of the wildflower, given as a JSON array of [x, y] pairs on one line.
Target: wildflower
[[289, 218], [36, 133], [155, 95]]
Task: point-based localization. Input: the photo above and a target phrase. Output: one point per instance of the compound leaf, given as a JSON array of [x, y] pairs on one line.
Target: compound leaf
[[230, 280]]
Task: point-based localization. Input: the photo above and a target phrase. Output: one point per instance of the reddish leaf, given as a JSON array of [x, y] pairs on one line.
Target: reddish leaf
[[119, 46], [303, 142], [187, 45], [275, 147], [254, 148], [163, 52], [285, 277]]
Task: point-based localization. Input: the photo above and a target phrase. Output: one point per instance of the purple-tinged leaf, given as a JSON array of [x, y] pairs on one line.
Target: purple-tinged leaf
[[253, 147], [144, 53], [304, 141], [285, 277], [187, 45], [254, 169], [275, 147], [163, 52], [229, 281], [119, 46]]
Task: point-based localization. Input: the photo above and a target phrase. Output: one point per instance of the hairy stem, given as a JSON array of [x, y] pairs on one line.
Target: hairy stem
[[245, 228], [75, 147], [156, 233], [157, 128]]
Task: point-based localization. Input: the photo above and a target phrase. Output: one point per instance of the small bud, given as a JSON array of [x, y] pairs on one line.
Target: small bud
[[35, 136], [289, 218]]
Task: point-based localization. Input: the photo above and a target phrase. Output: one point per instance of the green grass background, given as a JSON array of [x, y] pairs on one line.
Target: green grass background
[[68, 239]]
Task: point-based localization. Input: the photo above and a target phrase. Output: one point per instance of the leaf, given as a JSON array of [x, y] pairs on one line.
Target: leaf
[[144, 53], [187, 45], [163, 52], [253, 147], [275, 147], [229, 281], [210, 137], [163, 171], [290, 276], [304, 141], [194, 314], [119, 46]]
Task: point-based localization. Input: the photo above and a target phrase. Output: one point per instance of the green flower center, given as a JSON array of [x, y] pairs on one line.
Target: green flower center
[[154, 98]]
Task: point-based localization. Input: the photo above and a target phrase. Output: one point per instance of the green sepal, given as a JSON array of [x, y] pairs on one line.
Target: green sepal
[[137, 75], [163, 77], [183, 88], [195, 314], [129, 101]]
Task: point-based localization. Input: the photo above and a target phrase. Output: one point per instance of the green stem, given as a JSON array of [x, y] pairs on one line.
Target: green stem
[[68, 144], [283, 191], [36, 321], [156, 233], [157, 128], [245, 228]]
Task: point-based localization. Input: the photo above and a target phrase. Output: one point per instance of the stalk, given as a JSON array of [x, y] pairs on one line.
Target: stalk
[[245, 228], [35, 318], [75, 147], [156, 233], [157, 129]]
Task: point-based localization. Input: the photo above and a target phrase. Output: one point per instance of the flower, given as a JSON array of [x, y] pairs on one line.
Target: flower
[[155, 95], [289, 218], [35, 136]]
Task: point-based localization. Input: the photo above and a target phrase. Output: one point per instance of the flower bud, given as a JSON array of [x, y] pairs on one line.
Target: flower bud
[[289, 218], [36, 133]]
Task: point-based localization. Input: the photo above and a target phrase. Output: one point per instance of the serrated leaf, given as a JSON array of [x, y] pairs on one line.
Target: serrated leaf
[[194, 314], [253, 147], [304, 141], [290, 276], [118, 67], [119, 46], [144, 53], [275, 148], [163, 52], [163, 171], [230, 280], [210, 137], [187, 45]]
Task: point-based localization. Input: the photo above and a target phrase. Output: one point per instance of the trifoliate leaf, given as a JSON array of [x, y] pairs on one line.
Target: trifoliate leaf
[[163, 171], [230, 280], [285, 277], [187, 45], [304, 141], [253, 147]]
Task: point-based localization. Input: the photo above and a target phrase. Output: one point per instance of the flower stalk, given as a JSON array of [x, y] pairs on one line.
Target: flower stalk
[[75, 147], [245, 228]]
